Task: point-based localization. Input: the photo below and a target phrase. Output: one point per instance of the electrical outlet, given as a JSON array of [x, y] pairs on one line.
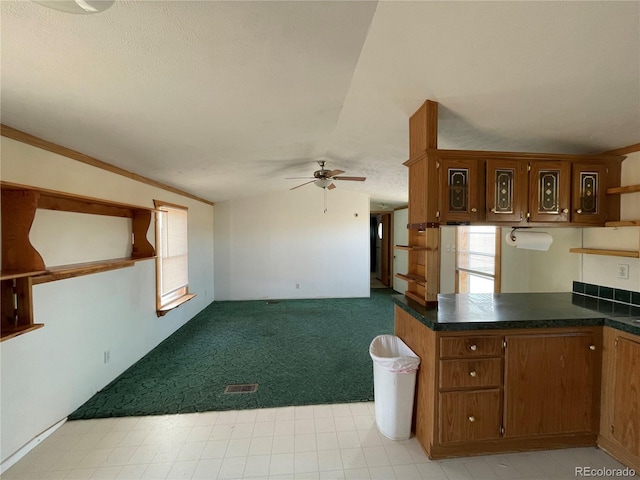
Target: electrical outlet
[[107, 356], [297, 286], [623, 271]]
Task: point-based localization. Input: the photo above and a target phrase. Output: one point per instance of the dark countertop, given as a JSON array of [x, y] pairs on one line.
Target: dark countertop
[[481, 311]]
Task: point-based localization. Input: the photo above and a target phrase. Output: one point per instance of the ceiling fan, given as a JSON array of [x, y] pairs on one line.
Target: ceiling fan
[[324, 178]]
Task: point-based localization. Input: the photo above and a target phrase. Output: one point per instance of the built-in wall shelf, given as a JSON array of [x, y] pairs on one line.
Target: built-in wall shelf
[[412, 278], [611, 253], [22, 264], [625, 189], [415, 297], [8, 332], [78, 269], [411, 248]]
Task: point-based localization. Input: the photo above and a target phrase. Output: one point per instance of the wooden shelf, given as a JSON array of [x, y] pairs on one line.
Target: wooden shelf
[[78, 269], [411, 248], [8, 333], [412, 278], [11, 274], [624, 223], [23, 266], [611, 253], [415, 297], [625, 189]]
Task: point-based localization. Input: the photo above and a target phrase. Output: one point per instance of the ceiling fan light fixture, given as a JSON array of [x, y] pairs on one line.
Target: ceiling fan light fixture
[[82, 7], [322, 183]]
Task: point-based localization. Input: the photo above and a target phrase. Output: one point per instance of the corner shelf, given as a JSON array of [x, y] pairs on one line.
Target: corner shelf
[[22, 264], [611, 253]]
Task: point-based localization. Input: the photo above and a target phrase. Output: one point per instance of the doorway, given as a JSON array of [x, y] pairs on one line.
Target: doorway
[[381, 233]]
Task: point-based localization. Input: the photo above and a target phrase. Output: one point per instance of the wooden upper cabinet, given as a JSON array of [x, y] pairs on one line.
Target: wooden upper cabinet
[[551, 382], [507, 189], [461, 190], [589, 194], [549, 191]]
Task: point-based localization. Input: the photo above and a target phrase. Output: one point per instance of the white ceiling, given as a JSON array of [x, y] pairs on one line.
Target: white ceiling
[[226, 99]]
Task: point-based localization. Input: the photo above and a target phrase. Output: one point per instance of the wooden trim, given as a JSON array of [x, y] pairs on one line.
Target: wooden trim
[[23, 137], [623, 150], [413, 248], [497, 265], [162, 203], [480, 154]]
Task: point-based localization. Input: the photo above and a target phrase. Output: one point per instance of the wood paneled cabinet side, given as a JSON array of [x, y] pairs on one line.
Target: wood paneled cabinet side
[[462, 190], [550, 383], [507, 191], [620, 406]]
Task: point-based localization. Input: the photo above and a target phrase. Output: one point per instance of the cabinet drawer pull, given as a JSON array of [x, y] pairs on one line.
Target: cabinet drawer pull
[[579, 210], [493, 210], [592, 347], [472, 418], [474, 209], [565, 210], [473, 373], [473, 347]]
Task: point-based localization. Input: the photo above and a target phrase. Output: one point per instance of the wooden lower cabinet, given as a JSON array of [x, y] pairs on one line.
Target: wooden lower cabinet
[[620, 412], [482, 392], [549, 383]]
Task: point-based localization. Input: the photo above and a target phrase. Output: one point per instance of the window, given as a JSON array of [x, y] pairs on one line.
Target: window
[[477, 259], [172, 256]]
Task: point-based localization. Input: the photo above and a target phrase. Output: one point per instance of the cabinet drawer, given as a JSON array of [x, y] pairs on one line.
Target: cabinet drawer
[[481, 372], [470, 347], [469, 416]]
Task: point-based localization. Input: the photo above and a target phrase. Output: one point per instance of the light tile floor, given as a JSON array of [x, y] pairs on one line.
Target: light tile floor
[[311, 442]]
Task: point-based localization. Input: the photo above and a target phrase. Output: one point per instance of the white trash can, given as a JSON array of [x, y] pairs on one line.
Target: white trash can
[[394, 381]]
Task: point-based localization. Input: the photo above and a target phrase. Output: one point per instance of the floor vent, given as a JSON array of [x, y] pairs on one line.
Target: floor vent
[[243, 388]]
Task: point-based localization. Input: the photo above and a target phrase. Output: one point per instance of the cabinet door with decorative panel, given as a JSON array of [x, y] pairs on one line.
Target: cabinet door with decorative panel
[[461, 190], [589, 193], [549, 191], [507, 188]]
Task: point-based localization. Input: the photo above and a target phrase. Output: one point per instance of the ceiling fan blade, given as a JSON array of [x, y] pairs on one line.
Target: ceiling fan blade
[[333, 173], [352, 179], [305, 183], [331, 187]]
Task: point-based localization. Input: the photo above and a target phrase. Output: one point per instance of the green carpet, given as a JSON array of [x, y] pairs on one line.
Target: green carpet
[[300, 352]]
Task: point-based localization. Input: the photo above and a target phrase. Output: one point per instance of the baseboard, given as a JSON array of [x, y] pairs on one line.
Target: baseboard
[[619, 453], [21, 452]]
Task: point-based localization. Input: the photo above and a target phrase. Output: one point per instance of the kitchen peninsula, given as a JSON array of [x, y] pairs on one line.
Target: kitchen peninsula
[[516, 372]]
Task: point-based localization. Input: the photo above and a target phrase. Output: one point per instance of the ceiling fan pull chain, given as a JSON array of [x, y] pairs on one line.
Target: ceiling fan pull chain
[[325, 199]]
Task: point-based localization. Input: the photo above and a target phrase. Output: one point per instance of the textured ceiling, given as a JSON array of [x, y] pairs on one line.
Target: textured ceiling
[[226, 99]]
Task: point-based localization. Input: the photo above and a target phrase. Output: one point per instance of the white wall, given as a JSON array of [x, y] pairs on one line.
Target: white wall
[[266, 244], [48, 373], [603, 270]]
